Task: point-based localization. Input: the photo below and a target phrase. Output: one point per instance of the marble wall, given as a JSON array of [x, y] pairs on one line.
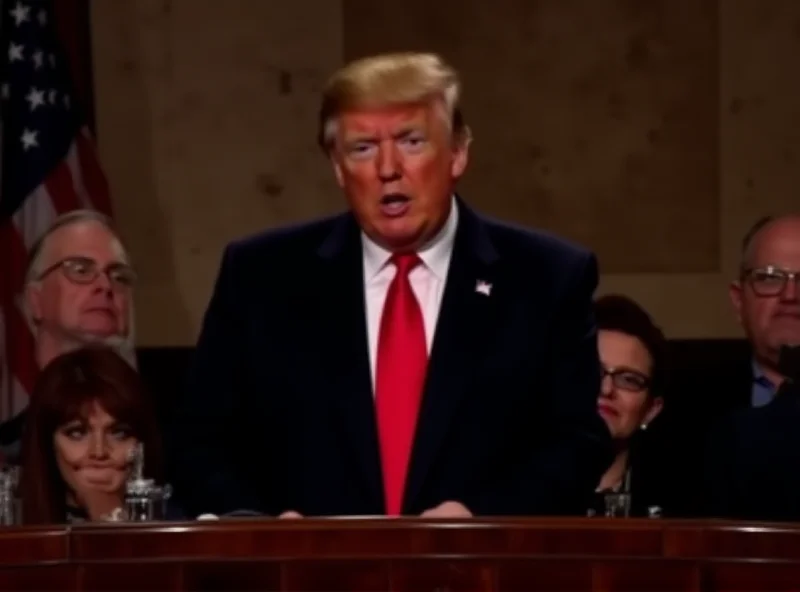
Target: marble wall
[[652, 131]]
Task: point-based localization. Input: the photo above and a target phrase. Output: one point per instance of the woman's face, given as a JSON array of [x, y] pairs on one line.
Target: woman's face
[[92, 454], [624, 402]]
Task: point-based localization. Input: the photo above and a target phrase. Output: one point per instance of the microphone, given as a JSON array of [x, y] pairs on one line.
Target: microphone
[[789, 362]]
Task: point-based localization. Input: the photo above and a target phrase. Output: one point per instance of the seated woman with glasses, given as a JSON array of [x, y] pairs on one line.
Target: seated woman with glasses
[[86, 414], [631, 349]]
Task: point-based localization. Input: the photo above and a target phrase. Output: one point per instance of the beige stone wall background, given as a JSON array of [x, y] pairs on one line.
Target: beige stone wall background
[[653, 131]]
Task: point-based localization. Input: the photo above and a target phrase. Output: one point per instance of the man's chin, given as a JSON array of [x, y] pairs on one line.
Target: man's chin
[[400, 237], [102, 335], [788, 336]]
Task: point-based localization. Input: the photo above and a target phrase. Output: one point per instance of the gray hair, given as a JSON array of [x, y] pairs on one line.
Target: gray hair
[[124, 345], [36, 254]]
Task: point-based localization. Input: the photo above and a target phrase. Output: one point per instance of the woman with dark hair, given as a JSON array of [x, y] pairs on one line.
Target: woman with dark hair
[[86, 414], [632, 350]]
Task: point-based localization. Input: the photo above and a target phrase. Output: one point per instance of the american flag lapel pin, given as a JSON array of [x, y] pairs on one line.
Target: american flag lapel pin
[[483, 287]]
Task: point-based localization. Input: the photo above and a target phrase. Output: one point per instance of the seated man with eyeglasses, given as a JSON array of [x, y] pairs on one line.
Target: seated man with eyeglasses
[[632, 350], [753, 455], [766, 299], [77, 292]]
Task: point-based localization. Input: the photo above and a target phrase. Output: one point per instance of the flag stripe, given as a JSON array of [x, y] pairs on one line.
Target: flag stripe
[[74, 168], [92, 174], [19, 340], [34, 215], [61, 189]]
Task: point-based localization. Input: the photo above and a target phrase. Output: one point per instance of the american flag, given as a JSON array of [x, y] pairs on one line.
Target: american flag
[[49, 166]]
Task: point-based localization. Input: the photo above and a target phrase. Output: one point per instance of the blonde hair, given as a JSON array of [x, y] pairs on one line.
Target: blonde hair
[[391, 79]]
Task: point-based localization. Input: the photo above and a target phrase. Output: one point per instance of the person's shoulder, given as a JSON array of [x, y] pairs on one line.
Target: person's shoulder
[[783, 409], [285, 243], [310, 233], [534, 246], [756, 424]]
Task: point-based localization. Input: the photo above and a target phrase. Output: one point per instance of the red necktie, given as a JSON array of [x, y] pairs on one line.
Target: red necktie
[[400, 377]]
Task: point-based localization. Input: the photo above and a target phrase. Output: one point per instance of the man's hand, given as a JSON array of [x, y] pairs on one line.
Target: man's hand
[[448, 510], [289, 515]]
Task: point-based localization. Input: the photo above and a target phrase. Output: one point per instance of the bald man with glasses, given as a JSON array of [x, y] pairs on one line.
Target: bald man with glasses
[[753, 455], [765, 295]]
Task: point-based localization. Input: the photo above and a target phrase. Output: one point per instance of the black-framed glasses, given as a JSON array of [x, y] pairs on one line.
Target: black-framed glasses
[[771, 280], [626, 379], [85, 270]]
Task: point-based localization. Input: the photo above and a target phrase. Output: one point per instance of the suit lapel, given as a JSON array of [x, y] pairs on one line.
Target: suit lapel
[[466, 315], [343, 327]]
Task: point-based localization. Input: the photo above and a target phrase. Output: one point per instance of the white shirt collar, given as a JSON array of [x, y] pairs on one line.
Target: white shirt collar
[[435, 254]]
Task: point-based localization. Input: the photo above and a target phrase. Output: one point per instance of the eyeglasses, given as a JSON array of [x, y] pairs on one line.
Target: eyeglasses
[[84, 270], [771, 280], [626, 379]]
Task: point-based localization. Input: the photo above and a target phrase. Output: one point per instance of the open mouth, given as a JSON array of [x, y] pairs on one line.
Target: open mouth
[[395, 204]]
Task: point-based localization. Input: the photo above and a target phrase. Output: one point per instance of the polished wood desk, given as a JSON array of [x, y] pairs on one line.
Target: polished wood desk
[[405, 555]]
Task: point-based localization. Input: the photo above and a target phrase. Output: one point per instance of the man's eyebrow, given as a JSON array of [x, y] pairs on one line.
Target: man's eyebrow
[[407, 131], [359, 136]]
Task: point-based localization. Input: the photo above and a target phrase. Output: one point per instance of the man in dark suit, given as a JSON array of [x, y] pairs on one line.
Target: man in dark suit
[[407, 357], [766, 300], [752, 457]]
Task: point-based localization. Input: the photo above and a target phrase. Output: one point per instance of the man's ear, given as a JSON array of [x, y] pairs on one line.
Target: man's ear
[[33, 301], [461, 146]]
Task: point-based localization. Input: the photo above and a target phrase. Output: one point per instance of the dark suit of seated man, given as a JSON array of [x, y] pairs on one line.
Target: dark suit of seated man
[[406, 357], [752, 461], [766, 298]]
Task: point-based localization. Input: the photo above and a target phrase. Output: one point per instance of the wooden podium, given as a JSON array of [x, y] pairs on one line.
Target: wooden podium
[[405, 555]]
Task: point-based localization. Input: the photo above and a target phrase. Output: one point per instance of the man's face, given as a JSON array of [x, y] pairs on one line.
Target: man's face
[[767, 303], [68, 302], [398, 167]]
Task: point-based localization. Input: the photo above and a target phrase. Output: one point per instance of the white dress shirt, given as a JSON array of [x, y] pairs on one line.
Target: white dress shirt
[[427, 281]]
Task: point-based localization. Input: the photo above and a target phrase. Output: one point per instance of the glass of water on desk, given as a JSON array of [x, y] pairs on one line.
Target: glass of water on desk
[[145, 500], [618, 505], [10, 504]]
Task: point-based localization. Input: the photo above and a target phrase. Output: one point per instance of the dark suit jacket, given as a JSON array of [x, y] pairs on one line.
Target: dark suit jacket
[[752, 469], [279, 410], [696, 400]]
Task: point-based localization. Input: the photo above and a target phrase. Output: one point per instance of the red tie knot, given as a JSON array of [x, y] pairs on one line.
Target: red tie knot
[[405, 262]]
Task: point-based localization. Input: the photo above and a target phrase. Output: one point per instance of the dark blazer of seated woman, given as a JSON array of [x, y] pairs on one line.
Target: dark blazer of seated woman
[[637, 481], [87, 412]]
